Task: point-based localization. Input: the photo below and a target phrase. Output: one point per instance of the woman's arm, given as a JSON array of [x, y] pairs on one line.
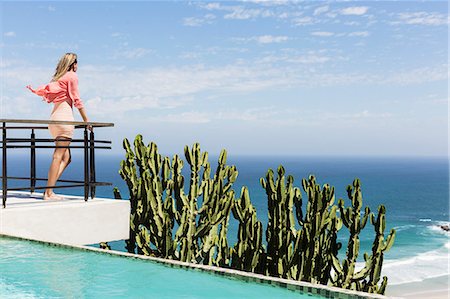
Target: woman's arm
[[84, 116]]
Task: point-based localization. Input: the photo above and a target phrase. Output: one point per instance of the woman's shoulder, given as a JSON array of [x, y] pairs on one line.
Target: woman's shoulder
[[70, 75]]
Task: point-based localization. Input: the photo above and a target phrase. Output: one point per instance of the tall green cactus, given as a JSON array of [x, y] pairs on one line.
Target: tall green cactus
[[218, 197], [248, 252], [161, 209], [301, 246], [380, 246], [281, 231], [202, 229], [367, 278], [149, 210], [351, 216], [187, 205], [128, 173], [317, 237]]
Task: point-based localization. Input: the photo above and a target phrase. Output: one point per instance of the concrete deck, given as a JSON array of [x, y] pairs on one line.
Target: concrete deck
[[70, 221]]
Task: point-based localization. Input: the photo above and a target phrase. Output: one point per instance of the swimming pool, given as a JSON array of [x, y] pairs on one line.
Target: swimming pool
[[34, 270]]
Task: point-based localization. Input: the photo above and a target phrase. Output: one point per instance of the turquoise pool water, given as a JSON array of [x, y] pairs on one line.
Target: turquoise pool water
[[34, 270]]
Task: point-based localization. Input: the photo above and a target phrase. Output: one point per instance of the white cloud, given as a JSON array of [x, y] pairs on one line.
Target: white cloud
[[269, 39], [321, 10], [422, 18], [303, 21], [210, 6], [270, 2], [418, 75], [192, 22], [263, 39], [114, 91], [322, 33], [20, 105], [364, 114], [10, 34], [192, 117], [359, 33], [241, 13], [196, 22], [51, 45], [116, 34], [133, 53], [258, 9], [310, 59], [354, 10], [293, 57], [51, 8]]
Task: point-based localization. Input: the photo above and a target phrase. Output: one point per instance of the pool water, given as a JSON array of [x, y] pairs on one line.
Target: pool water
[[35, 270]]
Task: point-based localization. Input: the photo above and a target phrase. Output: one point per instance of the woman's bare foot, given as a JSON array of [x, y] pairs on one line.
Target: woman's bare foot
[[52, 196]]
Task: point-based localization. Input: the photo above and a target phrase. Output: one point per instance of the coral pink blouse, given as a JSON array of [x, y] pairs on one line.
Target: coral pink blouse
[[62, 90]]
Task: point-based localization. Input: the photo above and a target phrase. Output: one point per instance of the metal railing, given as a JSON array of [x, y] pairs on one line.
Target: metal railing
[[88, 144]]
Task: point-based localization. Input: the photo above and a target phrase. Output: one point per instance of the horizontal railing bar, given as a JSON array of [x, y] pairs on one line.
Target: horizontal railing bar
[[52, 187], [81, 124], [100, 184], [52, 146], [60, 186], [40, 179], [22, 128], [62, 181], [13, 140]]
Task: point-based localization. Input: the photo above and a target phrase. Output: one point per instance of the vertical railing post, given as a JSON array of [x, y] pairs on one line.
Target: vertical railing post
[[86, 164], [33, 162], [92, 162], [4, 164]]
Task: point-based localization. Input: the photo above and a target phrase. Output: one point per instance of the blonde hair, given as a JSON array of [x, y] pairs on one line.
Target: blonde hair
[[65, 64]]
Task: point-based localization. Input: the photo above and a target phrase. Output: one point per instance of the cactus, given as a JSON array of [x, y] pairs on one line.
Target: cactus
[[248, 252], [187, 203], [148, 207], [160, 204], [104, 245], [281, 230], [380, 245], [202, 230], [345, 273], [218, 198], [311, 260], [300, 246], [116, 193], [355, 222], [128, 173]]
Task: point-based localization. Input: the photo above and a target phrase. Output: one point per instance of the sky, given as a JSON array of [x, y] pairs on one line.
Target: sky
[[322, 78]]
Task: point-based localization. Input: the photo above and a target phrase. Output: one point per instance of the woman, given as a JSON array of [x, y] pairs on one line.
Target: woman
[[62, 91]]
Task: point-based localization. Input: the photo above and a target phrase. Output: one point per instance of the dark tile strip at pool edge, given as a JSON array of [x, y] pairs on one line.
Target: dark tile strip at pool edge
[[305, 287]]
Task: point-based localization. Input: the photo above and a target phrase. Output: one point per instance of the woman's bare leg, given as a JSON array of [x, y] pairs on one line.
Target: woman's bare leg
[[64, 163], [56, 165]]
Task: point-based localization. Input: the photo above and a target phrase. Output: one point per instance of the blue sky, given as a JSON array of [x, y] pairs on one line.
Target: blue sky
[[254, 77]]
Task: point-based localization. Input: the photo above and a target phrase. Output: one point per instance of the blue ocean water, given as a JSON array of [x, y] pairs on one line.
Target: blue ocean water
[[415, 192]]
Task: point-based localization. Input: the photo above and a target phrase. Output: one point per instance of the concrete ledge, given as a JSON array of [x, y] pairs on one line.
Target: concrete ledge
[[70, 221], [304, 287]]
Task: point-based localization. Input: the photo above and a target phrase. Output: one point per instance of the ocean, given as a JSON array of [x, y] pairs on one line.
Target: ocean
[[415, 192]]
